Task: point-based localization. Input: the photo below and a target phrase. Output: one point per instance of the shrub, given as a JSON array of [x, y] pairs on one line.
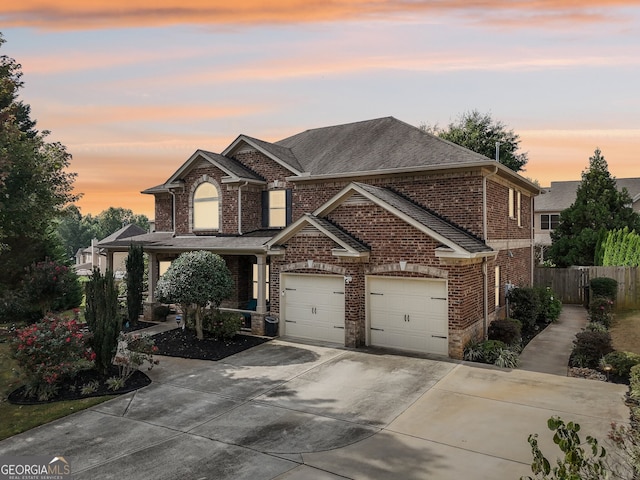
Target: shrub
[[133, 350], [604, 287], [50, 351], [595, 327], [507, 331], [589, 348], [506, 358], [135, 282], [50, 286], [621, 362], [103, 319], [601, 310], [550, 305], [634, 382], [222, 325], [524, 306], [160, 313]]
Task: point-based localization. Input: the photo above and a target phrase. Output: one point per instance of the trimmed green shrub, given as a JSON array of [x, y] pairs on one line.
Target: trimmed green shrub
[[621, 362], [507, 330], [524, 305], [49, 286], [160, 313], [135, 282], [604, 287], [222, 325], [550, 305], [601, 311], [589, 348]]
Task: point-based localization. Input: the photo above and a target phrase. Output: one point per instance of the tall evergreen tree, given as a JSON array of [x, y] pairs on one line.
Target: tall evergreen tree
[[135, 282], [599, 204]]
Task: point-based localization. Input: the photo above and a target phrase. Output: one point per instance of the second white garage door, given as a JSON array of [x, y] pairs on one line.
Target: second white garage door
[[313, 307], [408, 314]]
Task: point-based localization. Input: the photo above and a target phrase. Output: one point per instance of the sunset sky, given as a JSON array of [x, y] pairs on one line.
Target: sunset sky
[[134, 87]]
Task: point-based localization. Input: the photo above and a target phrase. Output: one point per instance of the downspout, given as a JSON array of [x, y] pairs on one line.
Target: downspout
[[485, 233], [533, 239], [240, 207], [173, 212]]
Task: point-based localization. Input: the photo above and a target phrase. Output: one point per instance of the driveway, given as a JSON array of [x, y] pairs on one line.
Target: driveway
[[291, 411]]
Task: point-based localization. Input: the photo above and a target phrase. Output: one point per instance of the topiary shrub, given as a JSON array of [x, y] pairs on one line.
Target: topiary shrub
[[160, 313], [550, 305], [589, 348], [604, 287], [524, 305], [621, 362], [507, 330], [601, 311]]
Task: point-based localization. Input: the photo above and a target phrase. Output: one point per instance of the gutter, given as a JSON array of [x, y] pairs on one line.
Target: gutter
[[485, 273]]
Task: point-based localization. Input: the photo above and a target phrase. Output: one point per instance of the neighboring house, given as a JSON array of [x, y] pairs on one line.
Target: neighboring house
[[95, 257], [369, 233], [561, 195]]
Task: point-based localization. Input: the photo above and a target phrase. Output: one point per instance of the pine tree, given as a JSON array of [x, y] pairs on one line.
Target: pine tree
[[598, 205], [103, 320]]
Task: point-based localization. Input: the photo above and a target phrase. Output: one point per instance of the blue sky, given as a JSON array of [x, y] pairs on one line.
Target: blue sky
[[133, 88]]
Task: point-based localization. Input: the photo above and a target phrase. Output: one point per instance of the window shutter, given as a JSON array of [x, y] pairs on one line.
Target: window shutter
[[265, 209], [289, 205]]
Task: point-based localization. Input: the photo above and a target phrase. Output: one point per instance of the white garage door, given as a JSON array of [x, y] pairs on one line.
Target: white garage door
[[408, 314], [313, 307]]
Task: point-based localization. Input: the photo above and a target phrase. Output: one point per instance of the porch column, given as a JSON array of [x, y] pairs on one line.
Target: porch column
[[262, 284], [109, 260], [153, 276]]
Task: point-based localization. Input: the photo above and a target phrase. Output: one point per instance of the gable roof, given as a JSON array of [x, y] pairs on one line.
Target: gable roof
[[350, 246], [234, 170], [379, 144], [124, 233], [456, 242], [561, 195], [280, 154]]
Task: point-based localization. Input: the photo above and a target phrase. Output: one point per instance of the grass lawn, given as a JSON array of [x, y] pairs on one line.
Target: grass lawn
[[18, 418], [625, 331]]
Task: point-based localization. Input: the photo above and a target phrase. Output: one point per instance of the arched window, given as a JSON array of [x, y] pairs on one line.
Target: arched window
[[206, 201]]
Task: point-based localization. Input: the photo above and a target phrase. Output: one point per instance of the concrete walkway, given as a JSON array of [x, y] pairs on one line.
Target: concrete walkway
[[549, 351]]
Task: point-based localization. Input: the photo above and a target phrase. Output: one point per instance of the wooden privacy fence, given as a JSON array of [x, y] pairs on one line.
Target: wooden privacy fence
[[569, 283]]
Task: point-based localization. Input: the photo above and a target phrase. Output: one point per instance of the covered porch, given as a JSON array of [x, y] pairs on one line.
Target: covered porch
[[245, 256]]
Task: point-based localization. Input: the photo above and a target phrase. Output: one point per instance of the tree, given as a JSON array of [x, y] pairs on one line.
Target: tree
[[135, 282], [598, 205], [75, 231], [113, 219], [479, 132], [102, 317], [34, 183], [195, 280]]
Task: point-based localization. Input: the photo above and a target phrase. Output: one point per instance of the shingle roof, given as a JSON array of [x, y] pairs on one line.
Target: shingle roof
[[429, 219], [125, 233], [233, 166], [383, 143], [343, 236], [283, 153], [561, 195]]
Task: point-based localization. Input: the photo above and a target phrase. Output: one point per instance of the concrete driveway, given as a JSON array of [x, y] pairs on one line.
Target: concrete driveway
[[286, 410]]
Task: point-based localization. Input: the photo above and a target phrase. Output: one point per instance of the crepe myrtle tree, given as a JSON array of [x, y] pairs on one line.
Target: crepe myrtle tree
[[195, 281]]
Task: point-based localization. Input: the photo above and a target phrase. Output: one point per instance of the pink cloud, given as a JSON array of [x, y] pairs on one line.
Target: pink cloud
[[73, 14]]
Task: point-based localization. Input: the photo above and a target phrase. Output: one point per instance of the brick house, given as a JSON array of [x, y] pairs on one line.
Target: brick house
[[370, 233]]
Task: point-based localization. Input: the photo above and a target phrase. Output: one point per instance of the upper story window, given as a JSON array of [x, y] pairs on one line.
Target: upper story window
[[511, 206], [276, 208], [206, 207], [519, 208], [549, 221]]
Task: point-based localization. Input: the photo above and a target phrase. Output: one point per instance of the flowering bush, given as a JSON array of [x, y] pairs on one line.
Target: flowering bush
[[48, 352], [133, 350], [601, 310]]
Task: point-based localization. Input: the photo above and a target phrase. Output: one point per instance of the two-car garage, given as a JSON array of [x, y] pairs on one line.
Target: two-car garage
[[402, 313]]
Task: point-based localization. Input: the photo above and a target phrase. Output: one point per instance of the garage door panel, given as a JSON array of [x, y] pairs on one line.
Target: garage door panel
[[314, 307], [408, 314]]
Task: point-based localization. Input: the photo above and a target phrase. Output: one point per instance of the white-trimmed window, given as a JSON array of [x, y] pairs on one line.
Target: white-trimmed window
[[549, 221], [206, 207], [519, 207], [255, 281], [511, 209], [276, 208]]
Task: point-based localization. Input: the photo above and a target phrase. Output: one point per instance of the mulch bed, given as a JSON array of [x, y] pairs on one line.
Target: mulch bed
[[139, 325], [185, 344], [71, 389]]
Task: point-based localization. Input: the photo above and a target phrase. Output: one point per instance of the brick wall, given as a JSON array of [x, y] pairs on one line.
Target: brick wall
[[163, 212]]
